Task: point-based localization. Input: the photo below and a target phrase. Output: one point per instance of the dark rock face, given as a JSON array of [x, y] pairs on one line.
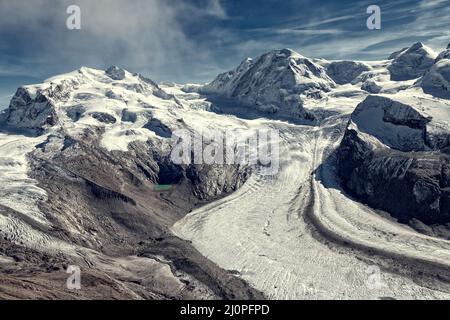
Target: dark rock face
[[404, 184], [158, 128], [412, 63], [103, 117], [371, 86], [408, 175], [443, 55], [31, 113], [343, 72], [76, 112], [437, 80], [115, 73], [225, 181], [408, 183], [37, 110], [129, 116]]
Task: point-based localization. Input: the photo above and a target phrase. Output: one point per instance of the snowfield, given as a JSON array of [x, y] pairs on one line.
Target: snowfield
[[17, 190]]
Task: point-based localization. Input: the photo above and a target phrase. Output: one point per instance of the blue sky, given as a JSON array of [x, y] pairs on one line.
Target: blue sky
[[192, 41]]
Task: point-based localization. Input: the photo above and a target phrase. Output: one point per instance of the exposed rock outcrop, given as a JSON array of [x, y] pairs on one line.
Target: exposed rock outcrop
[[343, 72], [371, 86], [393, 158]]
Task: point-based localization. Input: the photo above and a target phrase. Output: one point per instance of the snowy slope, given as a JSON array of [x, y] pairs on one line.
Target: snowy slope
[[276, 82], [116, 105], [412, 63], [437, 80], [17, 190], [403, 122]]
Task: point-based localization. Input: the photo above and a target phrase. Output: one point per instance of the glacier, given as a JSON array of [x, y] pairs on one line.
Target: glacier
[[361, 186]]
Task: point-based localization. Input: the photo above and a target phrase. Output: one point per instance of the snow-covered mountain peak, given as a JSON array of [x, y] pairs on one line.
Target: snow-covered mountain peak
[[395, 54], [406, 122], [116, 100], [436, 81], [412, 63], [275, 82], [418, 46], [285, 53], [292, 61]]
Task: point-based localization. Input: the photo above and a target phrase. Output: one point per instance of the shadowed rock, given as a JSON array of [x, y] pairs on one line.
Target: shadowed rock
[[343, 72], [384, 160]]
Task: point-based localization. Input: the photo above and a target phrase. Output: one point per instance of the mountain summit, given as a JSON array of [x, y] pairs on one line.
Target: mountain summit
[[412, 62], [275, 82]]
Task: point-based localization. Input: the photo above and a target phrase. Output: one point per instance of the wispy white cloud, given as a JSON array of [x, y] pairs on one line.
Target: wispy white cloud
[[297, 31], [215, 8], [431, 3], [342, 35], [153, 36], [143, 35]]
